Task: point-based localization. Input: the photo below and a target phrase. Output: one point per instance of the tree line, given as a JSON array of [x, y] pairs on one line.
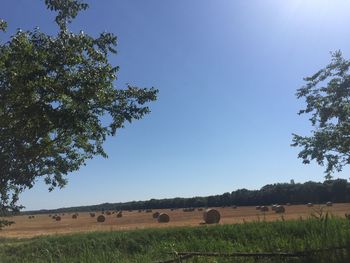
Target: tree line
[[337, 191]]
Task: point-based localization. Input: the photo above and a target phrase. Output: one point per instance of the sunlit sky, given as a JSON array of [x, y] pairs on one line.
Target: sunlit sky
[[227, 72]]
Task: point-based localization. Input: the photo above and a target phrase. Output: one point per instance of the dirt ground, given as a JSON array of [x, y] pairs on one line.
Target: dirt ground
[[45, 225]]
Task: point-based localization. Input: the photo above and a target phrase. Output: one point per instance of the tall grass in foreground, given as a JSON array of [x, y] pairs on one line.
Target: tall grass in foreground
[[154, 244]]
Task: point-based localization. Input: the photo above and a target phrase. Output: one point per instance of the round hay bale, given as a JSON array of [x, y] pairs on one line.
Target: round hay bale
[[234, 207], [120, 214], [101, 218], [108, 213], [258, 207], [148, 210], [155, 215], [92, 214], [264, 209], [274, 207], [329, 203], [280, 209], [200, 209], [211, 216], [310, 204], [57, 218], [50, 215], [75, 216], [163, 218], [288, 204]]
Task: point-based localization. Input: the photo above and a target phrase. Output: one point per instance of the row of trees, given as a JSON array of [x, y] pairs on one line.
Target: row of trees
[[331, 190]]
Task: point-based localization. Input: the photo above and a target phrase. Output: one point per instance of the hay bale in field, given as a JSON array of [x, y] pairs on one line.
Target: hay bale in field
[[264, 208], [120, 214], [50, 215], [288, 204], [280, 209], [155, 215], [234, 207], [329, 203], [310, 204], [148, 210], [200, 209], [108, 213], [257, 207], [75, 216], [92, 214], [101, 218], [57, 218], [163, 218], [211, 216], [140, 210], [189, 209]]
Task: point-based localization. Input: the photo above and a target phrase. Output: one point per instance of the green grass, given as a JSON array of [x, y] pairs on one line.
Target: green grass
[[152, 245]]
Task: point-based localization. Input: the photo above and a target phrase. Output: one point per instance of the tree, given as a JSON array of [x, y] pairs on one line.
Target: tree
[[56, 95], [327, 95]]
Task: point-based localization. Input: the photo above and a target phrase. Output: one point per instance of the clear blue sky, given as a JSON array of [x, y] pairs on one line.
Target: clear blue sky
[[227, 72]]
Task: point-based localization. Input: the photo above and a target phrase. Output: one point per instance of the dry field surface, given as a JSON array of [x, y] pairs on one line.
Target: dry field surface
[[45, 225]]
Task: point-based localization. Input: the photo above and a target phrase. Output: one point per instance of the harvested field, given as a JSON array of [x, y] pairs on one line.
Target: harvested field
[[45, 225]]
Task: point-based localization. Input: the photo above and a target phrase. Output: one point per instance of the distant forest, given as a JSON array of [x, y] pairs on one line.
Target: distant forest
[[337, 191]]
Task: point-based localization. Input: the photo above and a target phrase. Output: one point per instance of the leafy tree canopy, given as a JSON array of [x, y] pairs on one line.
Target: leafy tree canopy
[[327, 95], [54, 91]]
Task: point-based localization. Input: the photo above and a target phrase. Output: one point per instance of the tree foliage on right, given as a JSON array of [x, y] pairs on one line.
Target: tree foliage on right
[[327, 96]]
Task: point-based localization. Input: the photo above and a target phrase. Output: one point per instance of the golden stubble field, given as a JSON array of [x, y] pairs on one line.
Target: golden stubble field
[[45, 225]]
